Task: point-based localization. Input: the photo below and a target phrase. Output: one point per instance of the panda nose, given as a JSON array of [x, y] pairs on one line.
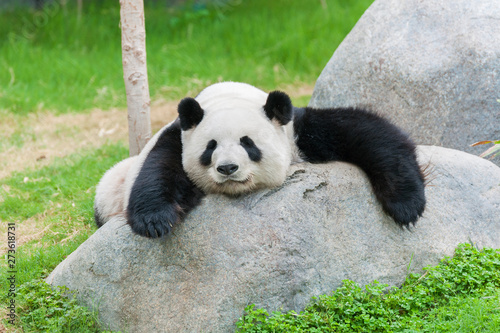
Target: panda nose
[[227, 169]]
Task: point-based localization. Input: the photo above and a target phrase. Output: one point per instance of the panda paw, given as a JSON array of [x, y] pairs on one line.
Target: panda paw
[[157, 223], [405, 212]]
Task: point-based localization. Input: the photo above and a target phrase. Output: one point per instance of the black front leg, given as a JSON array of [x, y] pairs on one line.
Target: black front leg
[[380, 149], [162, 193]]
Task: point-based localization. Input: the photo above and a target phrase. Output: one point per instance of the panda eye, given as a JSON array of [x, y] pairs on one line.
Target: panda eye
[[212, 144], [206, 157], [252, 150]]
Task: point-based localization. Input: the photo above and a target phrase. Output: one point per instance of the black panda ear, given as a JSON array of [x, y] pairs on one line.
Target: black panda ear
[[190, 113], [279, 106]]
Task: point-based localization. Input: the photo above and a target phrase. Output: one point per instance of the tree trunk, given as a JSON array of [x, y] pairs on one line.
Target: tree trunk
[[135, 73], [79, 8]]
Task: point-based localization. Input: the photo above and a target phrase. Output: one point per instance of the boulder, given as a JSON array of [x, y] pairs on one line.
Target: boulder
[[432, 67], [279, 247]]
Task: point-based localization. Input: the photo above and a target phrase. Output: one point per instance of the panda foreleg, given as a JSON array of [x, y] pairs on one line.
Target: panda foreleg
[[379, 148], [161, 194]]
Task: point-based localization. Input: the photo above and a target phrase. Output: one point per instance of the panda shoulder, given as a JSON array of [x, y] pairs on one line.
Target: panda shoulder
[[160, 138]]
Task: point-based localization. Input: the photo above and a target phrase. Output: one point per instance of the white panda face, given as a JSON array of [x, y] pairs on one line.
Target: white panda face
[[235, 148]]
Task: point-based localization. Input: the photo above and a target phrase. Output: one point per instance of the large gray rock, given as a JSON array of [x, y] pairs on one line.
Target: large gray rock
[[433, 67], [278, 248]]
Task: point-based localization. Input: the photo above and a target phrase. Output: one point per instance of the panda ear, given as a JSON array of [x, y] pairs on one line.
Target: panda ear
[[190, 113], [279, 106]]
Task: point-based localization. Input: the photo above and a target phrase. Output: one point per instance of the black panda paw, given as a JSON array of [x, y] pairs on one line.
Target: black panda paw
[[405, 212], [155, 224]]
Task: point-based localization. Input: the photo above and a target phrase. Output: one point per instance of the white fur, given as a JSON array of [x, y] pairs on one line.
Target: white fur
[[291, 141], [110, 196], [233, 110]]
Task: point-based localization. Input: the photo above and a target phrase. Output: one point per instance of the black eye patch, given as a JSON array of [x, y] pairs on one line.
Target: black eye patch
[[252, 150], [206, 157]]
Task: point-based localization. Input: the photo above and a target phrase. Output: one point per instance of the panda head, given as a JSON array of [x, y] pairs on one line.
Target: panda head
[[234, 138]]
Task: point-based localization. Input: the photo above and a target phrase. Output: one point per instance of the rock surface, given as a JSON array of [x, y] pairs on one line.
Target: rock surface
[[278, 248], [432, 67]]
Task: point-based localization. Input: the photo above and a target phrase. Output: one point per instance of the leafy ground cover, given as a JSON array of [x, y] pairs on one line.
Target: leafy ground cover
[[461, 294]]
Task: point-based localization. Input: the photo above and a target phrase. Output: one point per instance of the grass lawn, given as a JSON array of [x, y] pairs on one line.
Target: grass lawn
[[52, 61], [63, 125]]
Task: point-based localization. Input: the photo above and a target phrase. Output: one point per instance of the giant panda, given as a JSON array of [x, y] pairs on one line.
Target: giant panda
[[234, 138]]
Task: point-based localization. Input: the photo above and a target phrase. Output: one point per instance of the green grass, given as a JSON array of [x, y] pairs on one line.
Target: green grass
[[59, 198], [465, 315], [66, 184], [50, 60], [462, 294]]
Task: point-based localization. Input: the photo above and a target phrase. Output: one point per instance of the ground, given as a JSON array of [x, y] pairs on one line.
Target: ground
[[48, 135]]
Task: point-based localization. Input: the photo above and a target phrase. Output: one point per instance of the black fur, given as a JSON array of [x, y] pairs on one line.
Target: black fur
[[162, 193], [379, 148], [98, 218], [190, 113], [253, 151], [206, 157], [278, 105]]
